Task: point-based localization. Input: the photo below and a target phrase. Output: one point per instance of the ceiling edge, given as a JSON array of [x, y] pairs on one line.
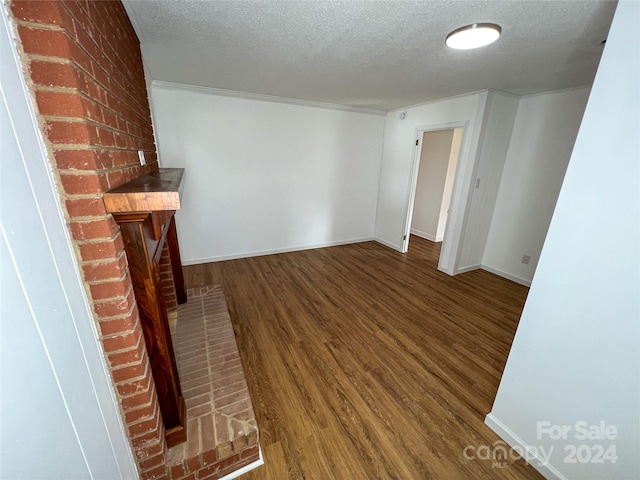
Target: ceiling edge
[[560, 90], [263, 98], [436, 100], [134, 20]]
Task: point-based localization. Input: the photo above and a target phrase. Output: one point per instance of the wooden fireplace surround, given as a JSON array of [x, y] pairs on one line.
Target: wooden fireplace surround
[[144, 209]]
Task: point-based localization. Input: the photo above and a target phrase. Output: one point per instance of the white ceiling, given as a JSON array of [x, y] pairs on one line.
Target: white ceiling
[[375, 54]]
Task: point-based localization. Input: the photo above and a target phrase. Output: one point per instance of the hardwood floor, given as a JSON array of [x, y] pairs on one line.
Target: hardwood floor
[[364, 363]]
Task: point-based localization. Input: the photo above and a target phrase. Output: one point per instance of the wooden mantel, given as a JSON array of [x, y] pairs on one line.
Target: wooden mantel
[[159, 190], [144, 208]]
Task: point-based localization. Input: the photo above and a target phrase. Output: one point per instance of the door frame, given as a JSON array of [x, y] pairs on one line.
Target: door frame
[[415, 167]]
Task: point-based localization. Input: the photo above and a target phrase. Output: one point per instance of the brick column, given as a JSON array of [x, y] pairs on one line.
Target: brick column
[[84, 69]]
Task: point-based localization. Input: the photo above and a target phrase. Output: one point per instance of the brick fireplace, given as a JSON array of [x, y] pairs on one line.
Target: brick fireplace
[[84, 70]]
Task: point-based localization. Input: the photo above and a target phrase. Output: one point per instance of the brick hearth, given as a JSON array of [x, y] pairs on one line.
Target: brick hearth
[[222, 433]]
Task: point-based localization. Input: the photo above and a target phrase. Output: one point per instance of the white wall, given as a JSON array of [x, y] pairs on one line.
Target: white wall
[[432, 175], [399, 160], [497, 126], [487, 118], [544, 133], [263, 176], [58, 411], [576, 354]]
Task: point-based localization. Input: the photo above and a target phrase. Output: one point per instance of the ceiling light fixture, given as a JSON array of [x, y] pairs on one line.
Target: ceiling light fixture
[[473, 36]]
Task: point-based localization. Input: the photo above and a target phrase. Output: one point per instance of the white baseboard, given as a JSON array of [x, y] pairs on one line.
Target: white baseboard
[[427, 236], [246, 468], [260, 253], [513, 440], [508, 276], [467, 269], [388, 244]]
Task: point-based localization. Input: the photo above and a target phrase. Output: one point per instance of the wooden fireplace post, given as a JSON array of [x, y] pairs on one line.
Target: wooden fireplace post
[[144, 208]]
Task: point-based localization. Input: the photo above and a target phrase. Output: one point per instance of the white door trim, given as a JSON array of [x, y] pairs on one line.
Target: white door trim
[[415, 167], [461, 194]]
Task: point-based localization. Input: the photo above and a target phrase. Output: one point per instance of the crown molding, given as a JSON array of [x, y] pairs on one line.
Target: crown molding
[[561, 90], [437, 100], [262, 98]]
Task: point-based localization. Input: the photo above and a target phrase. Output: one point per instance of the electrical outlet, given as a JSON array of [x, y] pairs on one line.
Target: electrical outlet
[[143, 161], [526, 259]]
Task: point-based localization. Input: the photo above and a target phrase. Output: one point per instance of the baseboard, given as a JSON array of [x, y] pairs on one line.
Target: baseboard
[[508, 276], [246, 468], [260, 253], [388, 244], [513, 440], [467, 269], [427, 236]]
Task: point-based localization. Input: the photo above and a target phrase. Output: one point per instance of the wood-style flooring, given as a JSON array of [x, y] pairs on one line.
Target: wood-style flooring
[[363, 363]]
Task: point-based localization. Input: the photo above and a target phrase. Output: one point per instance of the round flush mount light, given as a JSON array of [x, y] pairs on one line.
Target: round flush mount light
[[473, 36]]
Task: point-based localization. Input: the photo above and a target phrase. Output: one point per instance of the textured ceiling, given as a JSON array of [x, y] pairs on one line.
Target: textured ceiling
[[376, 54]]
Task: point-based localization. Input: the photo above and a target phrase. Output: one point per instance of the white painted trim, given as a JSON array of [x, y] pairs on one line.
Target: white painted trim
[[469, 268], [426, 236], [444, 99], [490, 90], [388, 244], [508, 276], [384, 133], [461, 194], [552, 92], [415, 165], [263, 98], [502, 92], [261, 253], [246, 468], [513, 440], [495, 271], [463, 187]]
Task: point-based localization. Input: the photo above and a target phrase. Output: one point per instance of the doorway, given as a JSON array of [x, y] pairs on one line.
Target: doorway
[[436, 170]]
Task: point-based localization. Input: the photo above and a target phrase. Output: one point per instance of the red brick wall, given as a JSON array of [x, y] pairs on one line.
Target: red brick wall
[[166, 280], [85, 71]]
